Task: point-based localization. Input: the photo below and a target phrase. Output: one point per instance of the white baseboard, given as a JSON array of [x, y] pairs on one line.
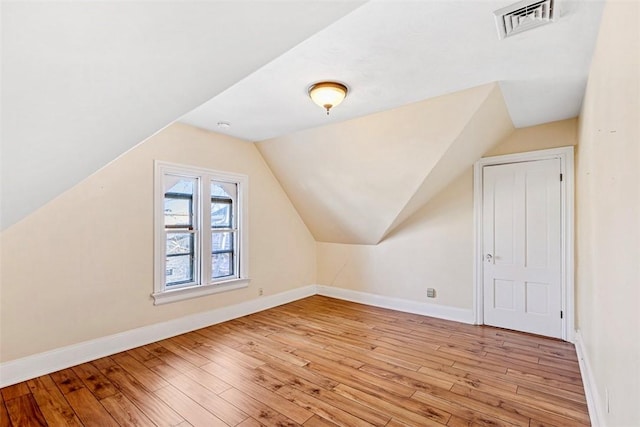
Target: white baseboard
[[19, 370], [29, 367], [588, 380], [407, 306]]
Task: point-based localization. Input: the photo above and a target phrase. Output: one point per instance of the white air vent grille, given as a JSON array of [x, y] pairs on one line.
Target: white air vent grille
[[523, 16]]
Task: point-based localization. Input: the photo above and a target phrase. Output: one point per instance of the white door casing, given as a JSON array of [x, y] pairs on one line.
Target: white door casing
[[524, 222], [521, 242]]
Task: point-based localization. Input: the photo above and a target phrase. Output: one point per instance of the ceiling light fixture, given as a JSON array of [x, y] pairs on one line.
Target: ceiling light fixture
[[328, 94]]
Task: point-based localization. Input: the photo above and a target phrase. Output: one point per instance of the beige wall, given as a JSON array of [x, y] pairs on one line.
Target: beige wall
[[81, 267], [434, 247], [608, 216], [548, 135], [351, 180]]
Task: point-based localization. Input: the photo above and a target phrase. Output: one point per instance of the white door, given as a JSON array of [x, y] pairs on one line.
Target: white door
[[522, 261]]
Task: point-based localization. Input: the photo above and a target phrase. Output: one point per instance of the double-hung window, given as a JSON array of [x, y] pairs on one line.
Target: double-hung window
[[200, 232]]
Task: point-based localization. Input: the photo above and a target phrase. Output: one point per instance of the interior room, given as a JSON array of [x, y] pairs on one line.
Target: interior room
[[347, 270]]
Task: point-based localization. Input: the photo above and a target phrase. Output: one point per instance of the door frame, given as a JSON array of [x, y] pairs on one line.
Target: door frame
[[567, 190]]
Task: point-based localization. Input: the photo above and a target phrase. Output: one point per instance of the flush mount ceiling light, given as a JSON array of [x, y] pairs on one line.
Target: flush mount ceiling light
[[328, 94]]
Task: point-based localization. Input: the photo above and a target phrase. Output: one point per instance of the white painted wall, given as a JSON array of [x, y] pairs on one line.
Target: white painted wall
[[434, 246], [608, 218], [81, 267]]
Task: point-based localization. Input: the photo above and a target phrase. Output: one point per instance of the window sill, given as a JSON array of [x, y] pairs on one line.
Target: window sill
[[198, 291]]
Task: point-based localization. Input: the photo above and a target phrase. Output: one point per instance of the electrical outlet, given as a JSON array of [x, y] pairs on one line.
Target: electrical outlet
[[431, 293], [260, 292]]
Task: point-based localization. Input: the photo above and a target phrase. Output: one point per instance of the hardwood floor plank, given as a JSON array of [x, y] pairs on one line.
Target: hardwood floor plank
[[505, 362], [140, 372], [24, 411], [357, 378], [89, 409], [206, 398], [54, 407], [407, 377], [258, 410], [191, 411], [207, 380], [266, 355], [317, 421], [317, 362], [372, 358], [430, 356], [219, 353], [412, 412], [170, 358], [468, 409], [181, 346], [455, 421], [15, 390], [396, 423], [417, 358], [143, 356], [67, 381], [259, 393], [294, 373], [92, 379], [220, 334], [573, 384], [125, 412], [154, 408], [373, 417], [250, 422], [553, 414], [322, 409], [569, 407], [4, 415]]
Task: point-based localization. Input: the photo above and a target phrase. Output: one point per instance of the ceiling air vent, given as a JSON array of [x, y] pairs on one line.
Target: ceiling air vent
[[523, 16]]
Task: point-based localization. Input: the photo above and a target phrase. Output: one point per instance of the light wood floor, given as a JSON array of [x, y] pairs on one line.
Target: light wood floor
[[316, 362]]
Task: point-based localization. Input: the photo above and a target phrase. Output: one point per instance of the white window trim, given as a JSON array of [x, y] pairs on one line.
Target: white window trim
[[161, 295]]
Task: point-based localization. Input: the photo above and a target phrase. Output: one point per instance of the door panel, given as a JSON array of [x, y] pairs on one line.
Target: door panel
[[522, 246]]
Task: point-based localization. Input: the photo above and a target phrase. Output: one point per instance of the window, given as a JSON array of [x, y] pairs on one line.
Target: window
[[200, 232]]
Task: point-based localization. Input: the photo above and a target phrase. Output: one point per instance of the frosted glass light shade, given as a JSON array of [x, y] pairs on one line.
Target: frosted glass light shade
[[328, 94]]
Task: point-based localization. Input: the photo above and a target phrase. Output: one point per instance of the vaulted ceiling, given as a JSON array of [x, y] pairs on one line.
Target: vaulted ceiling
[[83, 82], [392, 53]]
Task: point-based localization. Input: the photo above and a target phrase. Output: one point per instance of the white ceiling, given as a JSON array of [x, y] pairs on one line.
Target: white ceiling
[[83, 82], [391, 53]]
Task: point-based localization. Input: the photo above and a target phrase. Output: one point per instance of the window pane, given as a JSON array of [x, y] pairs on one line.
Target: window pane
[[221, 265], [221, 214], [179, 185], [221, 242], [177, 212], [179, 243], [179, 269], [178, 200], [225, 190]]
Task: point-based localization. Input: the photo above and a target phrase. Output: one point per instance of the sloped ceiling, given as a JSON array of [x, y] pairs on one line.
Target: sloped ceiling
[[83, 82], [488, 126], [392, 53], [353, 181]]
